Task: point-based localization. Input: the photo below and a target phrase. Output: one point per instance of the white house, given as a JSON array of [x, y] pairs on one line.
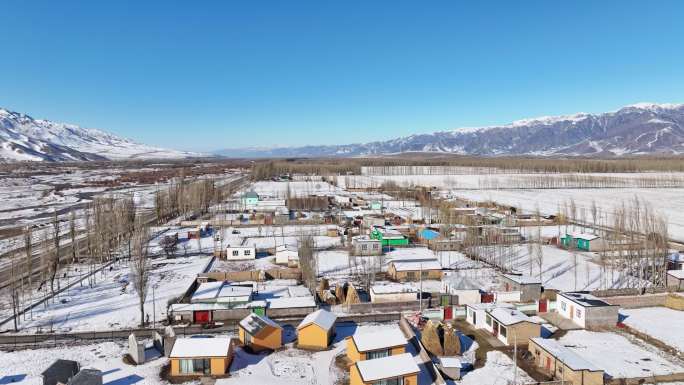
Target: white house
[[586, 310], [222, 293], [476, 312], [467, 290], [287, 255], [240, 252]]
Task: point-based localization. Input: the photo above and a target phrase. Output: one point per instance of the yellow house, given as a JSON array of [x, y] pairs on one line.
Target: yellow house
[[375, 344], [316, 330], [564, 364], [260, 333], [201, 356], [400, 370], [415, 269]]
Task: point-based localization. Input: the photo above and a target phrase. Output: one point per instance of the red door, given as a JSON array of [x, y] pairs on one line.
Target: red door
[[202, 316], [449, 312], [548, 363], [543, 306]]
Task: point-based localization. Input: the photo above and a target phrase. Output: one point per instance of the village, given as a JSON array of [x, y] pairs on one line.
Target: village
[[302, 278]]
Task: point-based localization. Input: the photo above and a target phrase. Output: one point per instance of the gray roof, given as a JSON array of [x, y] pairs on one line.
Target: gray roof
[[565, 355], [255, 323], [61, 370], [584, 299], [87, 377], [457, 282]]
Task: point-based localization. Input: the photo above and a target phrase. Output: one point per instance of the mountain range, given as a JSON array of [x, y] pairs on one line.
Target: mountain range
[[23, 138], [643, 128]]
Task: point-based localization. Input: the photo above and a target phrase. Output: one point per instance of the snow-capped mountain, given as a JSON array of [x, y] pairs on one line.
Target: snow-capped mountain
[[23, 138], [643, 128]]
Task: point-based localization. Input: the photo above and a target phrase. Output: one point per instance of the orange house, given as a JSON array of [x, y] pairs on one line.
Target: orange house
[[375, 344], [316, 330], [400, 369], [201, 356], [260, 333]]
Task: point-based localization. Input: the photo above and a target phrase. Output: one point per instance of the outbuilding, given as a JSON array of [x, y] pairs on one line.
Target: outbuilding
[[675, 279], [235, 253], [392, 292], [260, 333], [287, 255], [399, 369], [586, 310], [201, 356], [316, 331], [60, 372], [365, 245], [511, 326], [377, 344], [415, 269], [465, 289], [389, 237], [583, 241], [564, 364], [528, 286]]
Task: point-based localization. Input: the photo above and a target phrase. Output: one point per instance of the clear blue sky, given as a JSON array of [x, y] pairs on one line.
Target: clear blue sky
[[203, 75]]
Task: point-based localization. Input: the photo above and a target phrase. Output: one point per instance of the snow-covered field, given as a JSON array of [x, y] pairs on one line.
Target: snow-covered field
[[24, 366], [620, 357], [112, 302], [498, 370], [661, 323]]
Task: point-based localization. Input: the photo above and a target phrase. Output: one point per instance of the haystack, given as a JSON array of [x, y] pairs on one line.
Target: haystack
[[352, 296], [430, 338]]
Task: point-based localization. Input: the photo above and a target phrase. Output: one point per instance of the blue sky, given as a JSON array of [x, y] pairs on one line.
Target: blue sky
[[220, 74]]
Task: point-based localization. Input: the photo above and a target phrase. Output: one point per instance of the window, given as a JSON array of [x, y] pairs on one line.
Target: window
[[488, 319], [376, 246], [247, 252], [411, 275], [579, 313], [563, 306], [235, 253], [377, 354], [186, 366], [537, 352], [424, 274], [390, 381], [364, 247], [502, 331], [195, 366]]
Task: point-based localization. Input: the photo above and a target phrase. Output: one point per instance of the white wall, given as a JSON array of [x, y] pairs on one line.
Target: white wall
[[237, 253], [564, 306]]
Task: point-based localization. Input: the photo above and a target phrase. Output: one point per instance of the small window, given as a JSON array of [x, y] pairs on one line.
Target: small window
[[563, 306], [377, 354], [247, 252], [502, 331], [364, 247], [488, 319], [424, 274], [579, 313], [411, 275], [236, 253]]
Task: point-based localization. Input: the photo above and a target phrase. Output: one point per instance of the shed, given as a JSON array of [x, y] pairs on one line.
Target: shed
[[389, 237], [564, 364], [316, 330], [249, 198], [376, 344], [528, 286], [236, 253], [396, 369], [583, 241], [675, 279], [511, 326], [586, 310], [415, 269], [465, 289], [61, 371], [392, 292], [201, 356], [287, 255], [260, 333]]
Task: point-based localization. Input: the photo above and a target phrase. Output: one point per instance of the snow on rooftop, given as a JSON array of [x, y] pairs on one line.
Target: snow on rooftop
[[200, 347], [379, 339], [565, 355], [255, 323], [584, 299], [323, 318], [291, 302], [387, 367], [416, 264], [507, 316], [585, 236], [207, 290], [679, 274], [393, 287]]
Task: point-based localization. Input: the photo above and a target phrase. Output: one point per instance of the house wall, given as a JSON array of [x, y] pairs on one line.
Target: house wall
[[353, 353], [354, 376], [313, 336], [568, 309], [403, 276], [520, 332], [219, 366], [530, 293], [271, 339], [466, 297], [289, 312], [561, 371], [604, 316], [393, 297], [479, 316], [242, 253]]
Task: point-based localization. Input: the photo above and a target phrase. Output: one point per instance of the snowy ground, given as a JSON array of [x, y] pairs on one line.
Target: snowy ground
[[498, 370], [661, 323], [112, 302], [24, 366], [620, 357]]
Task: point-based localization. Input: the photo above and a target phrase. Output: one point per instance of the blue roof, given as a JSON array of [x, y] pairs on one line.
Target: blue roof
[[428, 234]]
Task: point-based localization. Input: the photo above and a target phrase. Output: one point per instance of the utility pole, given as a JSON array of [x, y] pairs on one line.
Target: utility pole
[[154, 309], [515, 358], [420, 290]]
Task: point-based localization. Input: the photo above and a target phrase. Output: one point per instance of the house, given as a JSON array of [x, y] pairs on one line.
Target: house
[[260, 333], [376, 344], [511, 326], [222, 292], [316, 331], [528, 286], [415, 269], [675, 279], [398, 369], [476, 313], [293, 306], [236, 253], [249, 198], [375, 205], [287, 255], [201, 356], [583, 241], [365, 245], [374, 220], [194, 233], [60, 372], [586, 310], [564, 364], [392, 292], [389, 237], [87, 377], [465, 289]]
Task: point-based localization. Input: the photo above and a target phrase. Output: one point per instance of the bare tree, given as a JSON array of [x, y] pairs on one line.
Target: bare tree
[[307, 261], [28, 252], [140, 268]]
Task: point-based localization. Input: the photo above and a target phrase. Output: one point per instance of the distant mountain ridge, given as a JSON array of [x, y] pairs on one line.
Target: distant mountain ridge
[[643, 128], [23, 138]]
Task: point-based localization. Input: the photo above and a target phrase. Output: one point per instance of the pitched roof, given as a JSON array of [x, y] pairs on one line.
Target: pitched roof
[[374, 340], [255, 323], [387, 367], [200, 347], [416, 264], [565, 355], [323, 318]]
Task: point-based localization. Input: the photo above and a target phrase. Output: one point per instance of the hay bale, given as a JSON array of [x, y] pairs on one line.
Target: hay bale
[[430, 339], [452, 343], [339, 293], [352, 296]]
